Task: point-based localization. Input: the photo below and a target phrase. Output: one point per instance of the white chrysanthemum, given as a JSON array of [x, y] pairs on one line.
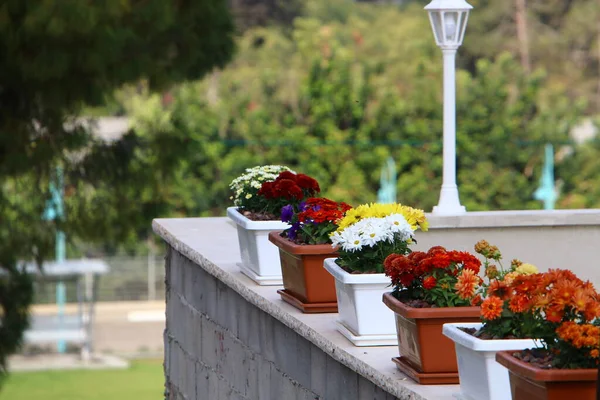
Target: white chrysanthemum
[[373, 231], [399, 226], [351, 240], [253, 179]]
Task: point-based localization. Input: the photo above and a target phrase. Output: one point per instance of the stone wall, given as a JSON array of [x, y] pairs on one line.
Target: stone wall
[[220, 346]]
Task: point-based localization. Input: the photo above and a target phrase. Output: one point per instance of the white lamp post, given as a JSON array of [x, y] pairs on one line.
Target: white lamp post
[[449, 22]]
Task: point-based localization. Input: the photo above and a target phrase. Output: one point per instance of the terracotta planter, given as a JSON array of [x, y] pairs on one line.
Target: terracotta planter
[[307, 284], [426, 355], [528, 382]]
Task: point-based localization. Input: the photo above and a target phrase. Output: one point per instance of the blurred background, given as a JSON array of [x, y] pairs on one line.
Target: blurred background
[[115, 113]]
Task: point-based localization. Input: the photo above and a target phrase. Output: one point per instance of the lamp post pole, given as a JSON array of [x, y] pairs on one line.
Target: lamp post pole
[[449, 21], [449, 203]]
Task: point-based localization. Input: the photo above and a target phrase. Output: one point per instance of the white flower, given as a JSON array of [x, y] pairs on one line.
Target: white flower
[[399, 226], [372, 231], [351, 240], [253, 179]]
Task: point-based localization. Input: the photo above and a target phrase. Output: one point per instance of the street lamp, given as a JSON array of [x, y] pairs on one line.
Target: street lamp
[[449, 21]]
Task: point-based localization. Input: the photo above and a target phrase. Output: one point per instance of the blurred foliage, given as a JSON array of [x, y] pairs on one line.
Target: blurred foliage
[[58, 56], [336, 97]]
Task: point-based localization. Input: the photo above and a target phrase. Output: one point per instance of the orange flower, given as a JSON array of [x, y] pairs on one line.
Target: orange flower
[[475, 301], [592, 310], [594, 353], [526, 284], [519, 303], [499, 289], [555, 312], [565, 290], [541, 301], [491, 308], [580, 300], [466, 284]]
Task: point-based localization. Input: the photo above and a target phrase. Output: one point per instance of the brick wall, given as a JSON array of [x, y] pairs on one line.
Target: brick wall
[[219, 346]]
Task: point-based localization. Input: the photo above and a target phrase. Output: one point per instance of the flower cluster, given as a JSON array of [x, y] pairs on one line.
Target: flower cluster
[[559, 309], [555, 307], [371, 232], [438, 277], [313, 221], [287, 188], [415, 217], [501, 311], [246, 186]]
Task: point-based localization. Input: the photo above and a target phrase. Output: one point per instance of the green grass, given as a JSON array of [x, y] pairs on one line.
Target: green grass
[[142, 381]]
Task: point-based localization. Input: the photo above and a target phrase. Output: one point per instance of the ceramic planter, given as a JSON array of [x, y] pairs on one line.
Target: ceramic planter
[[528, 382], [426, 355], [481, 377], [363, 318], [260, 259], [306, 284]]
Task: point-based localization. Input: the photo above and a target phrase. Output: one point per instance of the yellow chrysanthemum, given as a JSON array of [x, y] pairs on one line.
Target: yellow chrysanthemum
[[415, 217], [526, 269]]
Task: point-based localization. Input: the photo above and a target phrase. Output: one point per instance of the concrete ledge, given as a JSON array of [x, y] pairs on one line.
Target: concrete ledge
[[521, 218], [210, 245]]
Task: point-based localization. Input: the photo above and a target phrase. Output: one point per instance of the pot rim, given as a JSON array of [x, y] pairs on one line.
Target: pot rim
[[354, 279], [299, 249], [452, 331], [248, 224], [518, 367], [428, 313]]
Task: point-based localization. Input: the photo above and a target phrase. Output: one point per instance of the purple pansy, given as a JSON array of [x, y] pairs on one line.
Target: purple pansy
[[287, 212], [292, 232]]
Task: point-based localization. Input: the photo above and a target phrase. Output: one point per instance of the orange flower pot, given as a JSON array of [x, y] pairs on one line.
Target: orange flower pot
[[528, 382], [307, 284], [426, 355]]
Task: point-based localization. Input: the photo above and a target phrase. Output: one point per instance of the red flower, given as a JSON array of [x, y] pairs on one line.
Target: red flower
[[417, 256], [266, 190], [429, 283], [320, 210], [286, 175], [436, 250], [407, 279], [287, 189], [387, 263], [307, 183]]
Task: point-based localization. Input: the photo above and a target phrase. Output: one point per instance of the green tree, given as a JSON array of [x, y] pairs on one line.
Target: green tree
[[335, 98], [58, 57]]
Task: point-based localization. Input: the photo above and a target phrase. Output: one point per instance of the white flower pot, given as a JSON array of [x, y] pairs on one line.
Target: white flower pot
[[363, 318], [260, 258], [481, 377]]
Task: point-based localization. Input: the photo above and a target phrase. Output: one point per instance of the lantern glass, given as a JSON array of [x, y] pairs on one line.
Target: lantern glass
[[449, 26], [438, 26], [463, 25]]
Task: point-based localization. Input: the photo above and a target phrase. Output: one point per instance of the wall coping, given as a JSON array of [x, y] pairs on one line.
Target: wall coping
[[212, 244], [520, 218]]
